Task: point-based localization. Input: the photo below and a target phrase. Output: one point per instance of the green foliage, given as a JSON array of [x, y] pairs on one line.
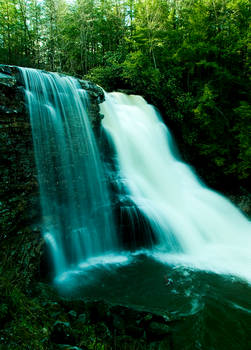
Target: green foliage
[[41, 320], [189, 58], [108, 75], [242, 130], [139, 74], [20, 316]]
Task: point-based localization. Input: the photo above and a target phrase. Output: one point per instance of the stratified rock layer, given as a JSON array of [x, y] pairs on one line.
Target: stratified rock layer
[[19, 188]]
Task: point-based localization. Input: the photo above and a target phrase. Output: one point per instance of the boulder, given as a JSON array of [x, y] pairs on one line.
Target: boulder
[[158, 330], [62, 333]]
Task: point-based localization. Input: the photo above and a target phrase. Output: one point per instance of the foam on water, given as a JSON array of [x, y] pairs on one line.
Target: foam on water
[[99, 262], [193, 225]]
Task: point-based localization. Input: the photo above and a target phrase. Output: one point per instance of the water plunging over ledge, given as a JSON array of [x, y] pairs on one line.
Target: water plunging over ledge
[[196, 231], [193, 225], [77, 220]]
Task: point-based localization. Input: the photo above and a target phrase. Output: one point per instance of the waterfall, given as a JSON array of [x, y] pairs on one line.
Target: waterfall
[[76, 213], [192, 224], [177, 218]]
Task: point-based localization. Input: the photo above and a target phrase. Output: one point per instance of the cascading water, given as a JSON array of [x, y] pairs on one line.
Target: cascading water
[[192, 224], [163, 207], [77, 219]]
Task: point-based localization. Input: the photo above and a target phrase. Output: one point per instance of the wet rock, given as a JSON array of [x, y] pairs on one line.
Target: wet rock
[[19, 190], [136, 332], [69, 347], [243, 202], [73, 315], [4, 314], [99, 311], [7, 80], [134, 226], [157, 329], [126, 342], [62, 333], [166, 318], [160, 345], [5, 69], [96, 96], [82, 318], [103, 331], [77, 305], [94, 90], [148, 317], [118, 322]]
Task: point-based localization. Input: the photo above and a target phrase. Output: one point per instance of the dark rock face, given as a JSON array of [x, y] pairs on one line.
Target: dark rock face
[[44, 320], [18, 185], [96, 96], [243, 201], [157, 329], [62, 333], [20, 237], [116, 326]]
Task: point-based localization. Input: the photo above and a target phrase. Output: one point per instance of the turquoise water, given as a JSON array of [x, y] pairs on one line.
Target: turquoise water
[[75, 208], [201, 241], [206, 310]]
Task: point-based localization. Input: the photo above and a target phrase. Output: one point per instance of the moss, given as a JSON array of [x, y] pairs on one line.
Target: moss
[[37, 318]]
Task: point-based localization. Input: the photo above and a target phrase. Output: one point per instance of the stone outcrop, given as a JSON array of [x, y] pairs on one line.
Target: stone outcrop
[[19, 187], [88, 324], [96, 96], [242, 201]]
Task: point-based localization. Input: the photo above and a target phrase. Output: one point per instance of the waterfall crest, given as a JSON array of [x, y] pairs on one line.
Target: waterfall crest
[[77, 219], [192, 224]]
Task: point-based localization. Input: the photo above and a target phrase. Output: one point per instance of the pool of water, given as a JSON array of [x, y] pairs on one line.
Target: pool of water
[[207, 310]]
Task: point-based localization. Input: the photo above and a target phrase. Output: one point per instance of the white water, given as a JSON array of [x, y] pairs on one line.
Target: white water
[[77, 220], [193, 225]]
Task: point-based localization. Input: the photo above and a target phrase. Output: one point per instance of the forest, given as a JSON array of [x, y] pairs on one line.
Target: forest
[[189, 58], [108, 240]]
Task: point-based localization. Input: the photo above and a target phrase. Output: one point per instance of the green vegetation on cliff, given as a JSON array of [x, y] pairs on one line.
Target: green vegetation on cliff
[[189, 58]]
